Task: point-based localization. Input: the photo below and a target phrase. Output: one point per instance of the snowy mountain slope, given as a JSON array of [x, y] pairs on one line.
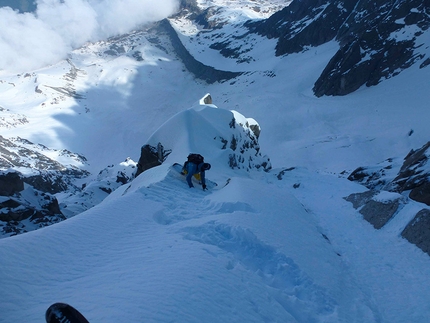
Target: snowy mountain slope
[[259, 249], [218, 134], [255, 250], [116, 84]]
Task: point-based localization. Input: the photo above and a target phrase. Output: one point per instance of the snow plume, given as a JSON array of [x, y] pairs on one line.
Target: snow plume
[[30, 41]]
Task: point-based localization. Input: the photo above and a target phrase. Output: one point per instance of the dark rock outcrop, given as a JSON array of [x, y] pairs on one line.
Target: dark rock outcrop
[[48, 182], [10, 183], [379, 213], [421, 193], [47, 175], [18, 203], [358, 200], [39, 209], [28, 198], [150, 157], [376, 212], [418, 231], [304, 23], [375, 44], [374, 178], [413, 176], [245, 148]]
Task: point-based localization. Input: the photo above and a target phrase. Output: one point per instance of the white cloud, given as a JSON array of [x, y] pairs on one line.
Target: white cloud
[[30, 41]]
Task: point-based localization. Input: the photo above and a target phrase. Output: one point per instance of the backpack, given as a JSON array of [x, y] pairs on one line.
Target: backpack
[[195, 158]]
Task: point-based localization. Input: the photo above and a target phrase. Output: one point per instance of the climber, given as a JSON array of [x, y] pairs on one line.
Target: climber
[[195, 166]]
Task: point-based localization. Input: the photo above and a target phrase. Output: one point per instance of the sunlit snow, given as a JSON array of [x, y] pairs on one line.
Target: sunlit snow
[[254, 249]]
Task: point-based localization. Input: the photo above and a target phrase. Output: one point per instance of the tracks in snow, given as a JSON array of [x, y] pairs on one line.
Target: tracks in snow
[[286, 284], [182, 203]]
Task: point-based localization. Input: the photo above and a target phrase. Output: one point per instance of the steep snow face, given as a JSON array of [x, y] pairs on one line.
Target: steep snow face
[[172, 252], [223, 137], [259, 249]]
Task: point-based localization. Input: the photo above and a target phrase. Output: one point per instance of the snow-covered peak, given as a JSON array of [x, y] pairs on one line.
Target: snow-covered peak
[[226, 138]]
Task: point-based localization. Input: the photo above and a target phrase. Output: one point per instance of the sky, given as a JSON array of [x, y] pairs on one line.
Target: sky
[[32, 40]]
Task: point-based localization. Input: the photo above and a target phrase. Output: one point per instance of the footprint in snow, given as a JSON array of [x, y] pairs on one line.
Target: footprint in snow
[[289, 285]]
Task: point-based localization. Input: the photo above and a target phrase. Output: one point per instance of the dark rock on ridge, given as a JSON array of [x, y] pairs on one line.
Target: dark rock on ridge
[[413, 176], [375, 212], [150, 157], [11, 183], [418, 231]]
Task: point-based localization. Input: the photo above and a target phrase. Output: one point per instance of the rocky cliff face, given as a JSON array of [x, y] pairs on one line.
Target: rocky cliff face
[[409, 183], [28, 181], [378, 39], [304, 23], [36, 190]]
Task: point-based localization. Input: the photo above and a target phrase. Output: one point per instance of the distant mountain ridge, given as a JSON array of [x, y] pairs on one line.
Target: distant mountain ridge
[[378, 39]]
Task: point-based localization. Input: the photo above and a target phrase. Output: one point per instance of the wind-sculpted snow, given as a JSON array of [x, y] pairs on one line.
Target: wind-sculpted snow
[[224, 137], [290, 287], [248, 251], [224, 227], [294, 295], [217, 134], [177, 209]]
